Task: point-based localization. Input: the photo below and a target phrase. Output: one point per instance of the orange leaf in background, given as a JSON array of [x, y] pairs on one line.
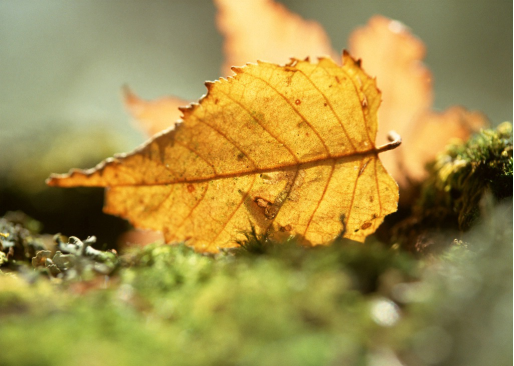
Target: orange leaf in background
[[253, 30], [265, 30], [156, 115], [392, 54], [433, 132], [287, 150]]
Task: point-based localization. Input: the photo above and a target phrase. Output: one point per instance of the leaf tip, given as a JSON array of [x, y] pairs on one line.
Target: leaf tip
[[52, 180]]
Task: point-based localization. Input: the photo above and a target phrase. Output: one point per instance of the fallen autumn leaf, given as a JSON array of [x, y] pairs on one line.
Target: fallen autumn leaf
[[284, 149]]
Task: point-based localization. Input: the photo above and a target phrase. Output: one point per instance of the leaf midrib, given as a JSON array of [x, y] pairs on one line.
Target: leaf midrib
[[276, 168]]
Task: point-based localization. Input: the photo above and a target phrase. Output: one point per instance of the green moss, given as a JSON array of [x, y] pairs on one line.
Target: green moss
[[460, 182], [283, 304], [460, 176], [291, 306]]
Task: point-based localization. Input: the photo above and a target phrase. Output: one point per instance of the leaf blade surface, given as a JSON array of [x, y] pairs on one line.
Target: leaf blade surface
[[288, 150]]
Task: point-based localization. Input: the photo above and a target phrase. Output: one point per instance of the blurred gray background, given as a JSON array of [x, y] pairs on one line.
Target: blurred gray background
[[64, 62]]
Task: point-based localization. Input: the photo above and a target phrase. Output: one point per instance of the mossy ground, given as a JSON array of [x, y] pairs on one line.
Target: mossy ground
[[269, 303], [463, 182]]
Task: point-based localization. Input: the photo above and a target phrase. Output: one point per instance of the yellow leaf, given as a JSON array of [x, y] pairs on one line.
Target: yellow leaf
[[289, 150]]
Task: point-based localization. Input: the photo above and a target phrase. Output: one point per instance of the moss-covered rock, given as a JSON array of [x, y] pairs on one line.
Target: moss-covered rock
[[461, 175], [462, 180]]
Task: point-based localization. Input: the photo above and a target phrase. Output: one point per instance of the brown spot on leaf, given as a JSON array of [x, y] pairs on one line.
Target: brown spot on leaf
[[286, 228], [190, 188], [297, 102], [366, 225]]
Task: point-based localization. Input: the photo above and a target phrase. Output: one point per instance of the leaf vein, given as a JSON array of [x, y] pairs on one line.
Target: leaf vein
[[366, 122], [193, 208], [237, 208], [378, 189], [221, 133], [295, 111], [290, 188], [322, 197], [260, 124], [353, 196], [197, 154], [331, 108]]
